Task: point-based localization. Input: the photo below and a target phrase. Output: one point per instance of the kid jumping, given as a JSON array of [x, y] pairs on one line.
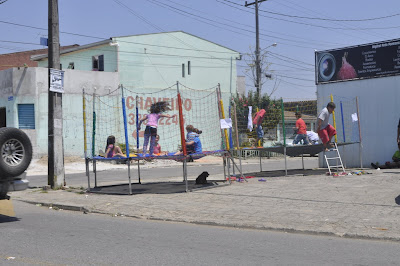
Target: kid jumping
[[155, 113]]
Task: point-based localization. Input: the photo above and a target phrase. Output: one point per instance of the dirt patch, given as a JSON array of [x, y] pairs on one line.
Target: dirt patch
[[69, 159], [209, 159], [43, 160], [73, 159]]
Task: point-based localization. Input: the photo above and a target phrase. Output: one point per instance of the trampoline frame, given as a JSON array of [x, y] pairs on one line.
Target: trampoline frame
[[225, 154]]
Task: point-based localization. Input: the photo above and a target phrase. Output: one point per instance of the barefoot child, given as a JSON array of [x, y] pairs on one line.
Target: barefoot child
[[111, 149], [325, 130], [155, 113], [157, 147]]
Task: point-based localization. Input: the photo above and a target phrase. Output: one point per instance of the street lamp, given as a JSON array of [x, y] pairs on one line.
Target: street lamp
[[271, 45]]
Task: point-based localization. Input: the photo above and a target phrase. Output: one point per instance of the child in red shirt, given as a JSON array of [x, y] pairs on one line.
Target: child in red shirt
[[301, 130]]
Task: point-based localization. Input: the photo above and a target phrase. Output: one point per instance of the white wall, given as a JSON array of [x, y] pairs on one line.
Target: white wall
[[379, 116], [30, 85]]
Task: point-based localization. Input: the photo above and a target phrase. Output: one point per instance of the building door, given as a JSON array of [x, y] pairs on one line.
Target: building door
[[3, 121]]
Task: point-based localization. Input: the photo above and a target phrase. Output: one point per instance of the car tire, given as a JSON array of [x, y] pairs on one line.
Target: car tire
[[15, 152]]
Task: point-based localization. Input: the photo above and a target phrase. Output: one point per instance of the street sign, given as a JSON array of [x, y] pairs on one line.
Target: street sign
[[56, 80]]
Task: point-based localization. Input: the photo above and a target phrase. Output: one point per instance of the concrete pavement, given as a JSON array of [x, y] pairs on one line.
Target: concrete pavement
[[360, 206]]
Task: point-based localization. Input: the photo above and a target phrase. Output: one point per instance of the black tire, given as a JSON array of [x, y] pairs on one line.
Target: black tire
[[15, 152]]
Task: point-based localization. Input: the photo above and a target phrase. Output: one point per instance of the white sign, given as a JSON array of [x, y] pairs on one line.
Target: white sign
[[226, 123], [354, 117], [56, 80]]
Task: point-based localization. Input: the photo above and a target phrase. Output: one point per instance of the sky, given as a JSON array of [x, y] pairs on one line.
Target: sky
[[297, 27]]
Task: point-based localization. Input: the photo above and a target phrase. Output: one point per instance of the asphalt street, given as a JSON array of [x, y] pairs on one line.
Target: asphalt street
[[43, 236]]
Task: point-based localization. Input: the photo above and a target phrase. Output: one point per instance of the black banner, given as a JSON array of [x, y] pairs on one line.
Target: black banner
[[359, 62]]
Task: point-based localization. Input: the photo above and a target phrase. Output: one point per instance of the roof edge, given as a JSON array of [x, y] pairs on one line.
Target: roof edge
[[74, 49]]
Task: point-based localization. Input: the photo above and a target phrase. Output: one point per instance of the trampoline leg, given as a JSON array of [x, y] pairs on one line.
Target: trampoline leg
[[234, 165], [228, 163], [224, 165], [95, 173], [259, 153], [138, 167], [240, 162], [302, 160], [129, 176], [185, 175], [87, 173], [183, 171], [284, 151]]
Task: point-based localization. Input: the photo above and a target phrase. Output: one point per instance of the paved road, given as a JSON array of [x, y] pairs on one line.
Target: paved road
[[50, 237]]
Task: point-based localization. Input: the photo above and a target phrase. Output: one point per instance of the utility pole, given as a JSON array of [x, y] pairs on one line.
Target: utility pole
[[56, 177], [258, 64]]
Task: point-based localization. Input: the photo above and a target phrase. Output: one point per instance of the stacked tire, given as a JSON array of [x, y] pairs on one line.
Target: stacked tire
[[15, 156]]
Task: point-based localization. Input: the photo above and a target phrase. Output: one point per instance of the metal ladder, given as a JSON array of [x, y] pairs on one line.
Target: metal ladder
[[337, 158]]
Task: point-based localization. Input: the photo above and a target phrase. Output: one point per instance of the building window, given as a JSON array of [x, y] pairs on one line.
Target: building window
[[26, 116], [98, 63], [3, 116], [183, 70], [71, 65]]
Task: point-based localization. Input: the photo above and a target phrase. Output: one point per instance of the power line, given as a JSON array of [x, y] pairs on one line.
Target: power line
[[309, 24], [206, 21], [21, 42], [347, 28], [295, 78], [102, 38], [145, 20], [317, 18]]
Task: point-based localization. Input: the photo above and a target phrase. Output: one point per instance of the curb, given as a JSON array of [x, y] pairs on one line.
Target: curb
[[59, 206], [274, 229]]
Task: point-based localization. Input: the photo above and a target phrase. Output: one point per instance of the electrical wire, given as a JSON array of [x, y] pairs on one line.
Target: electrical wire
[[317, 18]]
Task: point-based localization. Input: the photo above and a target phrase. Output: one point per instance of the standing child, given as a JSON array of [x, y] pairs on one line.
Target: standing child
[[156, 112], [301, 129], [324, 129], [257, 120]]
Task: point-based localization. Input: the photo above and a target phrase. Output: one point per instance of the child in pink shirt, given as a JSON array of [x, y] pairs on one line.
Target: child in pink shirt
[[156, 112]]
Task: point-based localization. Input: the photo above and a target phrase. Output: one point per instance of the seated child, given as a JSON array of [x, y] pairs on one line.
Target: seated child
[[388, 165], [111, 149], [301, 129], [193, 143], [157, 147], [312, 137]]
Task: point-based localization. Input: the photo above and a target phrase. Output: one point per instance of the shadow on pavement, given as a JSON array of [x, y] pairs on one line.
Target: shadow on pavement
[[276, 173], [154, 188], [7, 219]]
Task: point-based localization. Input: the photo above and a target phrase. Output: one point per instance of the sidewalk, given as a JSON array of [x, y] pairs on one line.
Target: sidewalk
[[360, 206]]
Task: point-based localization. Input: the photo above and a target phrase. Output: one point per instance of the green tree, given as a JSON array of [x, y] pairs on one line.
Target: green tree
[[272, 108]]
